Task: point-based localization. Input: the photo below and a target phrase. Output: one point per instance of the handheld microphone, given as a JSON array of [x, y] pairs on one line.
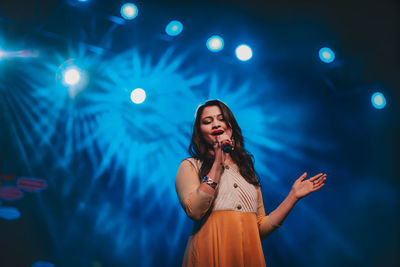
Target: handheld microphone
[[226, 147]]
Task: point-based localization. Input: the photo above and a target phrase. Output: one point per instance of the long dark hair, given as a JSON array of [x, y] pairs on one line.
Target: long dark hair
[[200, 149]]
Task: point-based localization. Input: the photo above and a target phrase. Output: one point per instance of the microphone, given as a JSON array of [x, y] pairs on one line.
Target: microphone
[[226, 147]]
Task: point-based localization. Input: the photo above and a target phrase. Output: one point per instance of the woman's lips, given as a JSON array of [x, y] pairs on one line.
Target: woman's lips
[[218, 132]]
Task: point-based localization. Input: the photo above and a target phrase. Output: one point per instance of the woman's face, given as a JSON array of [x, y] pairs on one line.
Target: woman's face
[[213, 124]]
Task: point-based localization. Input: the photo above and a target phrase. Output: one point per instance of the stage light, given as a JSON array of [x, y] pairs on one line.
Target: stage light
[[378, 100], [129, 11], [72, 76], [138, 96], [9, 213], [215, 43], [174, 28], [2, 54], [243, 52], [326, 55]]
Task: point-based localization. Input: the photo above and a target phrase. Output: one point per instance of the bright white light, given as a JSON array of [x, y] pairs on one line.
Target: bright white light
[[174, 28], [72, 76], [243, 52], [138, 96], [378, 100], [2, 54], [129, 11], [326, 55], [215, 43]]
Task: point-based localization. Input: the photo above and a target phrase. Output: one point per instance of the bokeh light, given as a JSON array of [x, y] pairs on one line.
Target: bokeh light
[[215, 43], [174, 28], [378, 100], [71, 76], [243, 52], [326, 55], [9, 213], [129, 11], [138, 96]]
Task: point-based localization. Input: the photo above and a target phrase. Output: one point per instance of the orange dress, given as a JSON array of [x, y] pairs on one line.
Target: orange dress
[[229, 225]]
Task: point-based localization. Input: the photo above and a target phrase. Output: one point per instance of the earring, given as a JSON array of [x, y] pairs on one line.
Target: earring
[[233, 143]]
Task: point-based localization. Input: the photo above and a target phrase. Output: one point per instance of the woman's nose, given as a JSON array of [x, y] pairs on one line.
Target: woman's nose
[[216, 124]]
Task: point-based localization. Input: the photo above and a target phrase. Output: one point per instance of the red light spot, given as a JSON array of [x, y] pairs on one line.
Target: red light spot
[[10, 192], [7, 176], [31, 184]]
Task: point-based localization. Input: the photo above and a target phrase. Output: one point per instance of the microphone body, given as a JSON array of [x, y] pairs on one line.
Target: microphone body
[[226, 147]]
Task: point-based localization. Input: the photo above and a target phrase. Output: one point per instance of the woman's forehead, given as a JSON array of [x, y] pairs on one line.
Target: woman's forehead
[[211, 111]]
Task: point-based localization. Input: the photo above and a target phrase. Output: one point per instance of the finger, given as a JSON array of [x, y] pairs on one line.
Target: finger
[[301, 178], [318, 187], [316, 177], [216, 142], [319, 181]]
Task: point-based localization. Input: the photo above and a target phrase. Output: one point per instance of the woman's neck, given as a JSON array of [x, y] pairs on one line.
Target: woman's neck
[[228, 160]]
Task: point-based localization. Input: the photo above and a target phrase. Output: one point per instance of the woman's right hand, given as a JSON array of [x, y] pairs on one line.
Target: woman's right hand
[[219, 156], [218, 153]]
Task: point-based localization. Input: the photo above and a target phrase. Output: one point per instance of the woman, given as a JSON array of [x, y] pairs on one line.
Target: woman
[[218, 189]]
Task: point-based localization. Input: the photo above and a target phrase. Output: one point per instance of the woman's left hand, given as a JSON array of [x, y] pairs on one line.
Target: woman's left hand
[[302, 188]]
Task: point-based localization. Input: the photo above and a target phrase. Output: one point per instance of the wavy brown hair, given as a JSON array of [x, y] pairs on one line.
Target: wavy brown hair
[[200, 149]]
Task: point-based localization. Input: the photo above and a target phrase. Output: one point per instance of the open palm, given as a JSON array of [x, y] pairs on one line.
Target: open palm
[[302, 188]]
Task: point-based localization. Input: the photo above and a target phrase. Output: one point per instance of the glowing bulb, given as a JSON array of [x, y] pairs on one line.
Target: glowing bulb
[[244, 52], [378, 100], [326, 55], [138, 96], [174, 28], [72, 76], [215, 43], [129, 11]]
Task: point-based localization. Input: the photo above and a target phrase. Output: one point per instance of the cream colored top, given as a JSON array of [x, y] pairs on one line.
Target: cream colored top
[[232, 193]]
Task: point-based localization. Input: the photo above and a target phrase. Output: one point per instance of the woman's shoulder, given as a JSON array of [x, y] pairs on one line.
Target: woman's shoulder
[[196, 163]]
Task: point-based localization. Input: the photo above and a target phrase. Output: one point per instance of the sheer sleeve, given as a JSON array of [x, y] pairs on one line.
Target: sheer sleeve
[[195, 202], [264, 226]]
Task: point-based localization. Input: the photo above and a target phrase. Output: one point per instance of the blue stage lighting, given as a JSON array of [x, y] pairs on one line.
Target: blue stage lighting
[[215, 43], [243, 52], [9, 213], [138, 96], [326, 55], [378, 100], [129, 11], [71, 76], [174, 28], [2, 54]]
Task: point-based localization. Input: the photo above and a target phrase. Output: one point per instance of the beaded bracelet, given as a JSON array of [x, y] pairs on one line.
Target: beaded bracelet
[[210, 182]]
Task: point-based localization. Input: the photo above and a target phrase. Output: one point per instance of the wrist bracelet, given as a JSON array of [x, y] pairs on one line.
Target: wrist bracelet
[[209, 181], [272, 223]]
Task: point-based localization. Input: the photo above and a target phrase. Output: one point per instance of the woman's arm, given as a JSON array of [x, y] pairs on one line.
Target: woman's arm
[[300, 189], [194, 196]]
